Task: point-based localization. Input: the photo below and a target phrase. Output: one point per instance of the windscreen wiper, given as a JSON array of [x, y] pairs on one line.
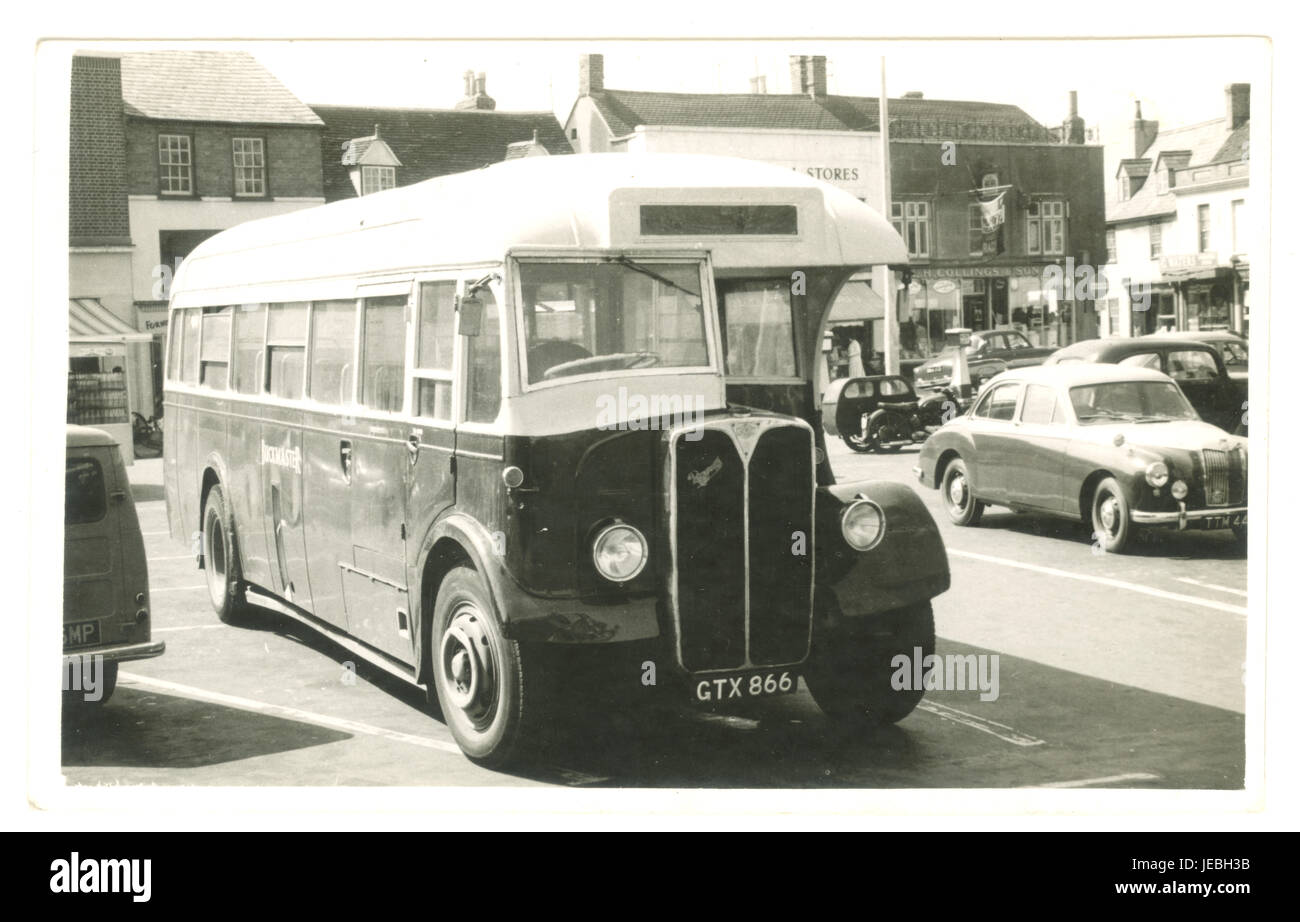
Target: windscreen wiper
[[637, 267]]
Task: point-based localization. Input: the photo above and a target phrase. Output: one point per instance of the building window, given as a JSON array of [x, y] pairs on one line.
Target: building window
[[1045, 226], [1110, 246], [1202, 228], [1156, 232], [377, 179], [175, 165], [1238, 220], [912, 221], [250, 166]]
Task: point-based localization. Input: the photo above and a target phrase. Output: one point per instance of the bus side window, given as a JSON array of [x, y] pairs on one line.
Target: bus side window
[[250, 327], [333, 334], [286, 339], [190, 347], [214, 360], [383, 348], [434, 346], [483, 364], [174, 346]]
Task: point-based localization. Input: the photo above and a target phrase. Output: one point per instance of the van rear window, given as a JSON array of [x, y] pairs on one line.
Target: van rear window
[[83, 498]]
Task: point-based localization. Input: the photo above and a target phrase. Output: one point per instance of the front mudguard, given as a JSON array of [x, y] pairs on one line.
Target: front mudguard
[[908, 566]]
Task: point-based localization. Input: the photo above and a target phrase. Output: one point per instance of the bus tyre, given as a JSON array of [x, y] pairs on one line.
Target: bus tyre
[[852, 667], [225, 579], [487, 698]]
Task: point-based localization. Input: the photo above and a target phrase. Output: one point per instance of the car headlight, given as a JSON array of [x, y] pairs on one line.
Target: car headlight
[[619, 552], [1178, 490], [1157, 473], [863, 524]]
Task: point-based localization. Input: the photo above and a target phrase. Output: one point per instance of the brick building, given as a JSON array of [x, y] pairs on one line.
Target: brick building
[[365, 149], [991, 203]]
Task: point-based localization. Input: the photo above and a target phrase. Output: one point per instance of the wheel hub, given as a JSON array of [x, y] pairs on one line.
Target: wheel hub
[[957, 491], [468, 667], [1109, 514]]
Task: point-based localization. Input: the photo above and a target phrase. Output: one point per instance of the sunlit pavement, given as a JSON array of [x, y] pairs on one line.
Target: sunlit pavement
[[1114, 671]]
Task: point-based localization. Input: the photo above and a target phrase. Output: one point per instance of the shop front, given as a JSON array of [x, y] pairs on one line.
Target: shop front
[[978, 298], [1208, 296], [109, 372]]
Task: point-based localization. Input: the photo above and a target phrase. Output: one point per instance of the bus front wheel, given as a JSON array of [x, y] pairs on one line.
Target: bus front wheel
[[225, 579], [487, 696]]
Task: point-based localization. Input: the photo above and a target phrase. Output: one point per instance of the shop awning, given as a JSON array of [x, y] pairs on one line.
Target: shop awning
[[856, 303], [87, 317]]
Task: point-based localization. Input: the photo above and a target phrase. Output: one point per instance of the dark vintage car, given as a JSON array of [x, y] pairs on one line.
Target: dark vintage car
[[1197, 368], [1119, 448], [1232, 348], [989, 353]]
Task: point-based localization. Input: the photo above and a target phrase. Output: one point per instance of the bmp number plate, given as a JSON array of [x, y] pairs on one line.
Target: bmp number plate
[[745, 685], [80, 634]]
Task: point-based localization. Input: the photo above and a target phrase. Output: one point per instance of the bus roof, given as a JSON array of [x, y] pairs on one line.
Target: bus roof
[[586, 201]]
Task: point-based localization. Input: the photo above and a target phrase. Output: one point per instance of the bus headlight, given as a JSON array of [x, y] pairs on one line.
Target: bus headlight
[[863, 525], [619, 552], [1179, 490], [1157, 473]]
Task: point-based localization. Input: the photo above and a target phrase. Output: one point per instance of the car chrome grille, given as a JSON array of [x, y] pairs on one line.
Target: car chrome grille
[[742, 592], [1225, 477]]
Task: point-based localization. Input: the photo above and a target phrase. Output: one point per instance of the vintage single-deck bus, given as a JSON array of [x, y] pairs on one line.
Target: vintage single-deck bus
[[555, 401]]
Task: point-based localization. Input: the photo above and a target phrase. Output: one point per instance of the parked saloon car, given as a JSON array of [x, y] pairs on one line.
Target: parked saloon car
[[989, 353], [105, 577], [1232, 348], [1196, 367], [1118, 447]]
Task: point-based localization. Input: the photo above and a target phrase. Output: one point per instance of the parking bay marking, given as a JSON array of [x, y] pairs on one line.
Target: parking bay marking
[[1097, 782], [1104, 581], [1203, 585], [983, 724], [280, 710]]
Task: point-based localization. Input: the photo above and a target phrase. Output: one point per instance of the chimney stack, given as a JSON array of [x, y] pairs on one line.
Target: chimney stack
[[591, 74], [758, 84], [1072, 130], [808, 74], [476, 96], [1144, 131], [1237, 97]]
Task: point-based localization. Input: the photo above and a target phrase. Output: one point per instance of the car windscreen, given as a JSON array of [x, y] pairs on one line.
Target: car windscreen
[[601, 317], [1130, 401]]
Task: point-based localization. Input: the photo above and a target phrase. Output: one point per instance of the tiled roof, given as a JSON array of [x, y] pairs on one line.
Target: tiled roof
[[431, 142], [1204, 140], [1237, 147], [208, 86], [624, 110]]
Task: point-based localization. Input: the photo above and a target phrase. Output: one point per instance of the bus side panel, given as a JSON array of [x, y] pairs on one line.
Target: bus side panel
[[327, 498], [183, 422], [480, 493], [282, 499], [244, 492], [173, 489], [381, 461]]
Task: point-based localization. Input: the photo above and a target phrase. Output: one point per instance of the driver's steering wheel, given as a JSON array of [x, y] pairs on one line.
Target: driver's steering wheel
[[551, 352]]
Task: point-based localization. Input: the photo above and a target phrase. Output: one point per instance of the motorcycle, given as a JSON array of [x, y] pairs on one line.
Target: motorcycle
[[894, 424]]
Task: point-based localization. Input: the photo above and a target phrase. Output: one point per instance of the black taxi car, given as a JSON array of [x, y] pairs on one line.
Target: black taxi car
[[1196, 367]]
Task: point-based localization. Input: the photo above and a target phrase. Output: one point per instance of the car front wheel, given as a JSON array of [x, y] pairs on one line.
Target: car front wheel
[[1111, 526]]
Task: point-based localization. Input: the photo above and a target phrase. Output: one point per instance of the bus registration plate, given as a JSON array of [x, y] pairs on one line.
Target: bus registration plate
[[745, 685]]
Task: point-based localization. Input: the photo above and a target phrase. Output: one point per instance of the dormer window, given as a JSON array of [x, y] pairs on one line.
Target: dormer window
[[372, 165], [377, 179], [1132, 177]]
